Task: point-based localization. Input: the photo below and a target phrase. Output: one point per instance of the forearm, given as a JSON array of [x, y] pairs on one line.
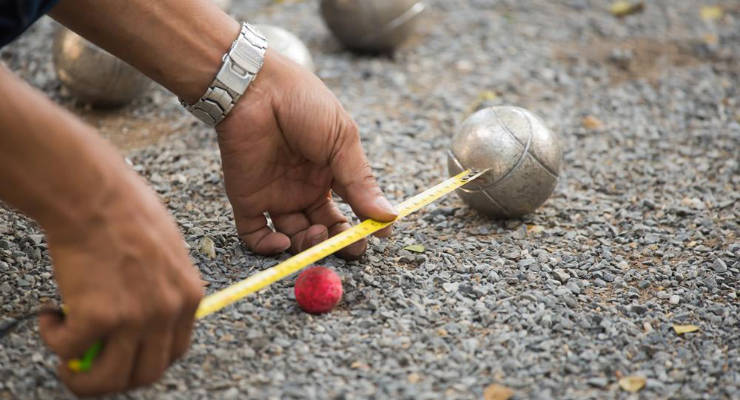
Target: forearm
[[178, 43], [53, 167]]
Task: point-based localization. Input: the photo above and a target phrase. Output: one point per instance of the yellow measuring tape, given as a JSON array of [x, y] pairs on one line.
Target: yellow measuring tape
[[239, 290], [230, 295]]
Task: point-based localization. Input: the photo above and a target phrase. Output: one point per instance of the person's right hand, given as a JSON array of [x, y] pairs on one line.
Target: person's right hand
[[286, 146], [126, 279]]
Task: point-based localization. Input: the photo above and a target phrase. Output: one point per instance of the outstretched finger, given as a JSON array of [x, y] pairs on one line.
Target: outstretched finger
[[353, 177]]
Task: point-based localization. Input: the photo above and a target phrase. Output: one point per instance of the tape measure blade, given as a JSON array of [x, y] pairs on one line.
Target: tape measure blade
[[435, 192], [262, 279]]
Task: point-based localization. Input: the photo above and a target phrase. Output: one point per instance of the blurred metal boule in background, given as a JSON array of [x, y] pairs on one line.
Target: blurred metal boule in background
[[288, 45], [523, 156], [223, 4], [373, 26], [92, 74]]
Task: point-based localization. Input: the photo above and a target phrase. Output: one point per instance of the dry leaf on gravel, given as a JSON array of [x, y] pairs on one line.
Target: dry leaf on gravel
[[710, 39], [625, 8], [681, 329], [483, 97], [497, 392], [416, 248], [632, 384], [207, 247], [592, 123], [711, 13]]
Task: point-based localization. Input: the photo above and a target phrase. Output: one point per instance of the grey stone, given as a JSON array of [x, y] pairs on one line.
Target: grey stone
[[450, 287], [599, 382], [719, 265], [561, 275], [638, 309]]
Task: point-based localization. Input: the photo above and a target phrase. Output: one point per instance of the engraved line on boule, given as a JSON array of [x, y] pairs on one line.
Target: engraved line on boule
[[524, 154], [531, 133], [497, 181], [494, 201], [462, 168]]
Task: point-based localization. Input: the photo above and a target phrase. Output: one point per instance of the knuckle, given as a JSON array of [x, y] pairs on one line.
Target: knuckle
[[349, 126], [367, 178], [131, 317], [167, 306], [103, 319], [344, 133], [193, 294]]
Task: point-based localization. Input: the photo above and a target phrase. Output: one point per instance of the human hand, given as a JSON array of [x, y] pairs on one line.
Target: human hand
[[126, 279], [284, 147]]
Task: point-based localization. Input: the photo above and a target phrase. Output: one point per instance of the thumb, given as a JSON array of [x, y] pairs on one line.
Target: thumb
[[354, 180]]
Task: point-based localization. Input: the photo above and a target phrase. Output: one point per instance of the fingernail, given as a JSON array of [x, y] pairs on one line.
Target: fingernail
[[383, 203]]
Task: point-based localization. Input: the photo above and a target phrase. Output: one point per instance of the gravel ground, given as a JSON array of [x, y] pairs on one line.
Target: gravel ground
[[640, 234]]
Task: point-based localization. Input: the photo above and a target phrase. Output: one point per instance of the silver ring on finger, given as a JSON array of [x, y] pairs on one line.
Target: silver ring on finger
[[268, 221]]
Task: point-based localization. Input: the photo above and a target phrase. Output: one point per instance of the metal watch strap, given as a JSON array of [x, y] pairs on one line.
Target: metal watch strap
[[240, 66]]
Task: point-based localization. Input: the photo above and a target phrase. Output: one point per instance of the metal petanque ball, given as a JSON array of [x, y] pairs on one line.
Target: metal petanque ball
[[92, 74], [288, 45], [223, 4], [523, 156], [374, 26]]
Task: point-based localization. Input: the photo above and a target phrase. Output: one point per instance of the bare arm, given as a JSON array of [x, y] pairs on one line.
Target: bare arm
[[285, 146], [105, 229], [49, 160], [178, 43]]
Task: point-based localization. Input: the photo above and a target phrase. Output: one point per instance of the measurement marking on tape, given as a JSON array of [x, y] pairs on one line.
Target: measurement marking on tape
[[262, 279]]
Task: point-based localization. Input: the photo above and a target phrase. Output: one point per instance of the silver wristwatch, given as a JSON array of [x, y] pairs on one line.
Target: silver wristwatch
[[240, 66]]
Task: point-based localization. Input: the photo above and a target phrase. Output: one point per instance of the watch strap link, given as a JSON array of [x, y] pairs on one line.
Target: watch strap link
[[240, 66]]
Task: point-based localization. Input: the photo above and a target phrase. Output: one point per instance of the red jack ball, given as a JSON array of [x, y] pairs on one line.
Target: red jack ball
[[318, 290]]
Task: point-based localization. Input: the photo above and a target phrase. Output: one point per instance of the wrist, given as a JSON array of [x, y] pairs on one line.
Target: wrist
[[260, 94], [240, 66], [192, 82]]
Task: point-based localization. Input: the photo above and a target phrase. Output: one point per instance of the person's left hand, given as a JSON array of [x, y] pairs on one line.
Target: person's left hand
[[286, 144]]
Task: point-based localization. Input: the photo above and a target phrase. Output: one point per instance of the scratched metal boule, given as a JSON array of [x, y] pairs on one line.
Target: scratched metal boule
[[93, 75], [523, 156], [372, 25]]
